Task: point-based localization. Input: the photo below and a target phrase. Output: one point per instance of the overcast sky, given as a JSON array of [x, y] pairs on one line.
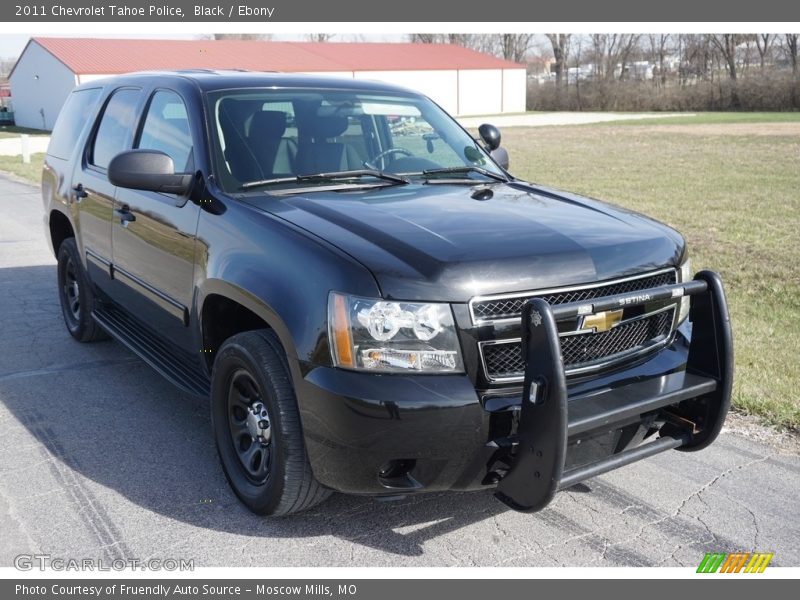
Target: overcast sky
[[11, 45]]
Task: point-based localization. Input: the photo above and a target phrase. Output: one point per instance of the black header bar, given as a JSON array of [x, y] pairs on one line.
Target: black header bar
[[419, 11]]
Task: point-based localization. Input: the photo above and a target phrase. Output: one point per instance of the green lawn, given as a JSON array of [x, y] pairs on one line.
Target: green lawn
[[7, 131], [736, 198], [710, 118], [31, 171]]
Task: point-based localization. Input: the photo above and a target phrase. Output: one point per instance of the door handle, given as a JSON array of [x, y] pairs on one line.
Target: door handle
[[80, 192], [125, 215]]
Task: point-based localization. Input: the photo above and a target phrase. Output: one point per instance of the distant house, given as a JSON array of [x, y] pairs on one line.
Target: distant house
[[462, 81]]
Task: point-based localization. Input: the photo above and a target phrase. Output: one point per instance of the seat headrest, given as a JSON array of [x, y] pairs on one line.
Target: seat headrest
[[237, 111], [328, 127], [268, 123]]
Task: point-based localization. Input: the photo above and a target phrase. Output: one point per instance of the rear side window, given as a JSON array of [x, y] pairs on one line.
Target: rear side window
[[115, 127], [75, 113], [166, 128]]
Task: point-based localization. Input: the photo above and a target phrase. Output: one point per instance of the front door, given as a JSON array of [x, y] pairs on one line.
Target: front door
[[153, 233], [92, 190]]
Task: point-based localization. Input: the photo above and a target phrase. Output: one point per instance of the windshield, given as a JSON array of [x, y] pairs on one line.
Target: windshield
[[278, 134]]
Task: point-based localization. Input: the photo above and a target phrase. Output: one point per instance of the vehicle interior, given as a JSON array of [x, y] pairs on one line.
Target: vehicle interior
[[265, 137]]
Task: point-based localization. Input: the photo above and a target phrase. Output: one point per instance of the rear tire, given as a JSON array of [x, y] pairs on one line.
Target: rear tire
[[76, 295], [257, 429]]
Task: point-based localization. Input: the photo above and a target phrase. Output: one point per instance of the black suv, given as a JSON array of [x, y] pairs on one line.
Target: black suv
[[372, 302]]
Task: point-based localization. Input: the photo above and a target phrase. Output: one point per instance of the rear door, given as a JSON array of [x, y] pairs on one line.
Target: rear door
[[91, 188], [153, 233]]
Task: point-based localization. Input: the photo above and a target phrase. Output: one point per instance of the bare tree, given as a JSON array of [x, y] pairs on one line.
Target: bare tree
[[486, 43], [791, 40], [612, 51], [577, 54], [696, 57], [320, 37], [515, 46], [725, 44], [242, 36], [763, 43], [426, 38], [560, 44], [658, 49], [626, 44]]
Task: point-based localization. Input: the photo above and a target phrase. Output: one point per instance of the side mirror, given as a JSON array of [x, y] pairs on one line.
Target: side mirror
[[491, 137], [149, 170], [500, 156]]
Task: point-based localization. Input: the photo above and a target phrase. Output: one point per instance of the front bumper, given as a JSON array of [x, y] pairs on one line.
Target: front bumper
[[397, 434]]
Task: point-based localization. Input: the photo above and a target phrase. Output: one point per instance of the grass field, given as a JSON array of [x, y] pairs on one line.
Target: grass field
[[31, 171], [736, 198], [730, 185], [7, 131], [714, 118]]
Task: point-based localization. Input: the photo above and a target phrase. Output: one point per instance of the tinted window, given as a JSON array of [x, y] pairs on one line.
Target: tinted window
[[115, 126], [166, 128], [75, 113]]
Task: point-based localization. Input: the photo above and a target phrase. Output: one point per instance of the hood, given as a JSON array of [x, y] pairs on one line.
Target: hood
[[450, 242]]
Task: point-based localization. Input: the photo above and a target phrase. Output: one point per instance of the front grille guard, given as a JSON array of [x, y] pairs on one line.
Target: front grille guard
[[530, 470]]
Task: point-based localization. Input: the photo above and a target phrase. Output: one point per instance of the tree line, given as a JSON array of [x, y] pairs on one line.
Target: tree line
[[648, 71]]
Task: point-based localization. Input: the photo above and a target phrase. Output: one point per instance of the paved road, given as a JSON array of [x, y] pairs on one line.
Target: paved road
[[102, 458]]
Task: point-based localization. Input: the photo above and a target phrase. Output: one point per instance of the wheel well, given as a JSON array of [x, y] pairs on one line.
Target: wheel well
[[223, 318], [60, 229]]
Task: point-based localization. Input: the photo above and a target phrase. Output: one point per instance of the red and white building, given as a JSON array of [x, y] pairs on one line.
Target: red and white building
[[464, 82]]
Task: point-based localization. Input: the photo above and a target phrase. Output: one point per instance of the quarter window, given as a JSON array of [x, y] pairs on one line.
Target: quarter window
[[115, 127], [166, 128], [71, 121]]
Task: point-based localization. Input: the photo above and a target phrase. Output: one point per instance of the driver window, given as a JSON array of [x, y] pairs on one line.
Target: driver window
[[166, 128]]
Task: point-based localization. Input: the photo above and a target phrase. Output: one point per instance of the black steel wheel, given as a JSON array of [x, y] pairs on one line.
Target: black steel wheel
[[257, 428], [249, 424], [76, 296], [71, 290]]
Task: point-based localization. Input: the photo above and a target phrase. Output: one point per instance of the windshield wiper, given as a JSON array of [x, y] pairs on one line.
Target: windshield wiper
[[464, 170], [333, 176]]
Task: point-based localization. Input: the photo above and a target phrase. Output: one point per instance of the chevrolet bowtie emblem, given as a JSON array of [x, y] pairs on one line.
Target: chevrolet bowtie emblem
[[602, 321]]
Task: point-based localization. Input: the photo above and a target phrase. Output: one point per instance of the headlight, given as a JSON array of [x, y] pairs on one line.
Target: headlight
[[383, 336], [685, 275]]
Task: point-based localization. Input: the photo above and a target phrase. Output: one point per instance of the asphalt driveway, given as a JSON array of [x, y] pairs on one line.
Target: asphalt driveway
[[101, 458]]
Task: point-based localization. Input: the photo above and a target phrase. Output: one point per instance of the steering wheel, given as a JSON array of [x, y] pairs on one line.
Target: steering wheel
[[385, 153]]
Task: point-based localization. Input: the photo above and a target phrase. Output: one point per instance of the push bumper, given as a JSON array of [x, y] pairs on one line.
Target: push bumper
[[687, 408]]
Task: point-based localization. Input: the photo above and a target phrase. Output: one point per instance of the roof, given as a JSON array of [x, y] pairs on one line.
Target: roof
[[212, 80], [85, 56]]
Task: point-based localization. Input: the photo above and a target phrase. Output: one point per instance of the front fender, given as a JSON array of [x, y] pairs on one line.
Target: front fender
[[277, 271]]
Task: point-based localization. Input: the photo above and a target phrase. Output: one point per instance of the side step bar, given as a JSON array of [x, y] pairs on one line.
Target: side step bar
[[171, 362], [702, 394]]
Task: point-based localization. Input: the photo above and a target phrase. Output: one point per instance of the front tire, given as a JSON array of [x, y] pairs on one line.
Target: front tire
[[256, 427], [76, 296]]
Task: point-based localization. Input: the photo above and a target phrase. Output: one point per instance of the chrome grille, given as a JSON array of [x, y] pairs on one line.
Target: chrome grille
[[503, 360], [509, 307]]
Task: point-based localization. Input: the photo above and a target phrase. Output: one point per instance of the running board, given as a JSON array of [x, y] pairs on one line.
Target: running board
[[173, 363]]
